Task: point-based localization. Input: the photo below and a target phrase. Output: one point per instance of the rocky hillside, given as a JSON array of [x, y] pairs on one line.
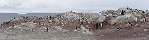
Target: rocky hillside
[[121, 19]]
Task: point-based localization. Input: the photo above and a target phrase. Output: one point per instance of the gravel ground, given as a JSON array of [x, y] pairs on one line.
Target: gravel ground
[[54, 34]]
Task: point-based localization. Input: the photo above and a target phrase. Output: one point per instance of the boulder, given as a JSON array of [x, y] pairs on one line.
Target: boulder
[[123, 18], [101, 18]]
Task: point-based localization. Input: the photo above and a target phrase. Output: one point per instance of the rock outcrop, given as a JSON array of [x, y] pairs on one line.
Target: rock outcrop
[[73, 21]]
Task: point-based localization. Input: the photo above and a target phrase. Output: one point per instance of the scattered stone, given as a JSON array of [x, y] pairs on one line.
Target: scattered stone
[[101, 35], [85, 31], [133, 35], [145, 30], [136, 25], [139, 34], [144, 38], [125, 34]]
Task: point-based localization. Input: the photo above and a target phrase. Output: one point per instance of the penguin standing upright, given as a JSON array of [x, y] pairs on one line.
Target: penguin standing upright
[[123, 12]]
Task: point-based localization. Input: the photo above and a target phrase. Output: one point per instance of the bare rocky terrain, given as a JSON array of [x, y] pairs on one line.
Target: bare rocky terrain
[[122, 24]]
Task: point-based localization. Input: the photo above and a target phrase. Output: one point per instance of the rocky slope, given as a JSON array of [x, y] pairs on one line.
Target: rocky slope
[[121, 23]]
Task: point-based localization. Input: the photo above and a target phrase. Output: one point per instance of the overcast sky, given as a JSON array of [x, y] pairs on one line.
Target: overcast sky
[[24, 6]]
